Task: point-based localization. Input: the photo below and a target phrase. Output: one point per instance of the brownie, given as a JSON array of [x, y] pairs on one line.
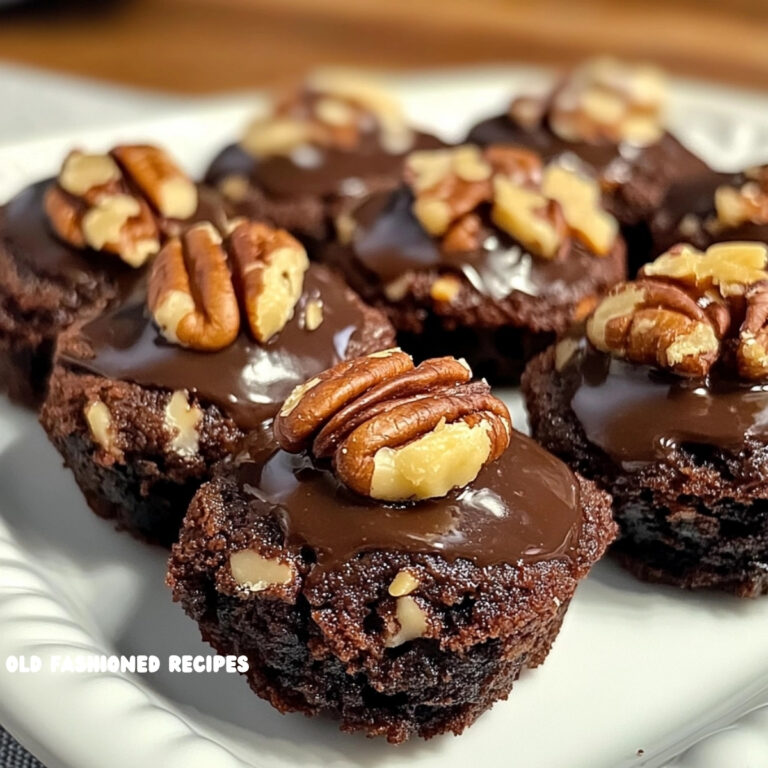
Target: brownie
[[716, 208], [481, 283], [140, 419], [664, 406], [609, 116], [338, 138], [45, 286], [400, 618], [49, 282]]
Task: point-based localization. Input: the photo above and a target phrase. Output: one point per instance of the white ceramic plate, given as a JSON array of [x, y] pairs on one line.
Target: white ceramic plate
[[640, 675]]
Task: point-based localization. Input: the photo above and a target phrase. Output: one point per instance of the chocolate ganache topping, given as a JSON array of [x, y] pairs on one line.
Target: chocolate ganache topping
[[331, 138], [677, 357], [497, 216], [247, 380], [26, 234], [524, 507], [377, 453], [27, 237], [637, 413], [606, 113], [390, 241], [714, 207]]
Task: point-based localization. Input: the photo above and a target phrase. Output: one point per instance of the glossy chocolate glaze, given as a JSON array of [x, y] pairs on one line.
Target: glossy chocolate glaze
[[523, 507], [389, 241], [696, 197], [27, 236], [319, 171], [637, 414], [247, 380], [615, 162]]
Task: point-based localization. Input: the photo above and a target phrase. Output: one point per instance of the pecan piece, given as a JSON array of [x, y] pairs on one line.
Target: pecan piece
[[333, 109], [654, 323], [394, 431], [191, 295], [448, 184], [736, 205], [110, 202], [730, 267], [536, 222], [752, 348], [607, 100], [580, 199], [522, 166], [539, 208], [269, 267]]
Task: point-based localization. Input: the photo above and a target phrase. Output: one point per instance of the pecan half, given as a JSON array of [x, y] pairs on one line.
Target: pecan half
[[394, 431], [191, 295], [655, 324], [195, 299], [689, 310], [752, 347], [165, 186], [111, 202], [269, 266]]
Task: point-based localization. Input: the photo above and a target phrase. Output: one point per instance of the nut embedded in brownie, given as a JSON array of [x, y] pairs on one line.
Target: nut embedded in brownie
[[396, 557], [147, 396], [664, 404], [336, 139], [484, 253], [71, 245]]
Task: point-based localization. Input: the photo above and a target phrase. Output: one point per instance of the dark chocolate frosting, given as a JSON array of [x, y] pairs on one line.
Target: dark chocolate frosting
[[319, 171], [248, 381], [389, 240], [503, 130], [614, 162], [524, 507], [637, 414], [696, 197], [27, 236]]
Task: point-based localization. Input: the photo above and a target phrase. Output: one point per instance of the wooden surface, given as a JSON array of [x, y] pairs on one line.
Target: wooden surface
[[198, 46]]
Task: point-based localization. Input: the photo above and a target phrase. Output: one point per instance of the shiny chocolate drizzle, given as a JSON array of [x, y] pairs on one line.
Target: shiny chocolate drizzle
[[524, 507], [694, 199], [27, 235], [390, 241], [28, 238], [615, 163], [320, 171], [248, 381], [637, 414]]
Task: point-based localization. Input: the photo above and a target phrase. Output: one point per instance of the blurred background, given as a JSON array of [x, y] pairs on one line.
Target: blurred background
[[207, 46]]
